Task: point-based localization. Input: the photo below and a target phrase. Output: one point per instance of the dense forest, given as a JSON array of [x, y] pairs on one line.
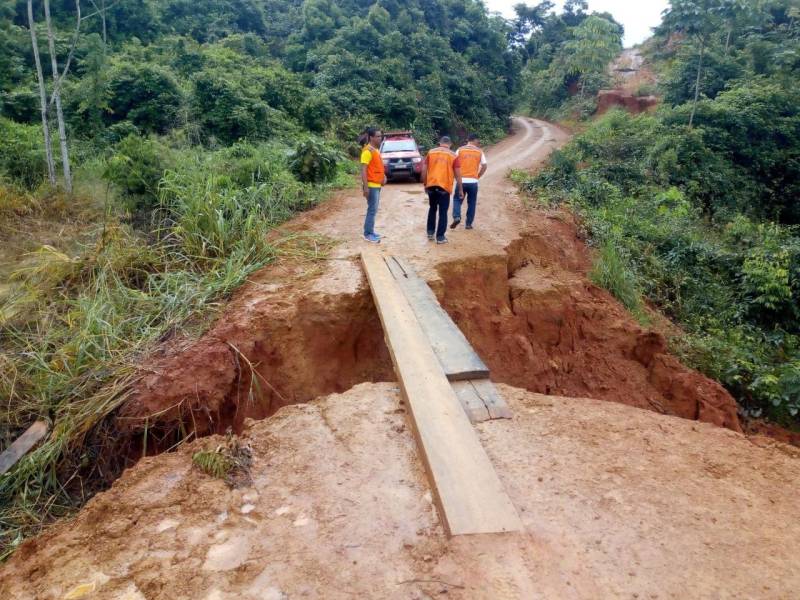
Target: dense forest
[[180, 134], [695, 208], [219, 71]]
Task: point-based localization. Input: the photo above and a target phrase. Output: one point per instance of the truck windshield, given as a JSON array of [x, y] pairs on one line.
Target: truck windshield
[[399, 146]]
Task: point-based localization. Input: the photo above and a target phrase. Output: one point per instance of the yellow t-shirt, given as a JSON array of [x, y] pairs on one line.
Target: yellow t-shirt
[[366, 159]]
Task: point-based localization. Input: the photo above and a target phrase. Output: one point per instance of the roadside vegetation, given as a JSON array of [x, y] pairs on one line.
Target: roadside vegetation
[[694, 209], [179, 135]]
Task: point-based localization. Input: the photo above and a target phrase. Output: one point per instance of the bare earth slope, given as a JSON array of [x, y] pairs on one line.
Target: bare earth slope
[[617, 502]]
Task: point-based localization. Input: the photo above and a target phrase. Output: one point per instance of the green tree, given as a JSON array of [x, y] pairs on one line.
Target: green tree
[[595, 43], [699, 20], [90, 98], [147, 95]]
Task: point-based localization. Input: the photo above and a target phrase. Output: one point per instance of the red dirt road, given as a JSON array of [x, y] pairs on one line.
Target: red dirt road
[[617, 503]]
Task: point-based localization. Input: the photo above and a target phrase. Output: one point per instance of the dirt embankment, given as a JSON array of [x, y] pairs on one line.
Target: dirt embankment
[[530, 312], [634, 84]]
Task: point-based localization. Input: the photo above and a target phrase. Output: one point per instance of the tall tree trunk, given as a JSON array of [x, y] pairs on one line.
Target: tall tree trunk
[[101, 10], [728, 40], [48, 144], [62, 131], [697, 81], [105, 31]]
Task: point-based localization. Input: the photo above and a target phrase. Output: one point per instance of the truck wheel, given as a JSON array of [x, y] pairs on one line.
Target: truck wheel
[[418, 177]]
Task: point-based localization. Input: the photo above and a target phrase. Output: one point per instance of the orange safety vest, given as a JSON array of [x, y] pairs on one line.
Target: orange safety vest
[[441, 164], [470, 158], [375, 170]]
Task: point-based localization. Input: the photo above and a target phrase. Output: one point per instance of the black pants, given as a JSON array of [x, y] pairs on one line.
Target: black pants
[[439, 200]]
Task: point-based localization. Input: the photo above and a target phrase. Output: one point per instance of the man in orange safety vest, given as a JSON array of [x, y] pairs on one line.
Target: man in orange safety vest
[[373, 178], [439, 169], [473, 166]]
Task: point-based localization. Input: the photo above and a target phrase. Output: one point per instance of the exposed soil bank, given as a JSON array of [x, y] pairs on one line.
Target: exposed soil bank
[[298, 346], [616, 502], [530, 313], [541, 325]]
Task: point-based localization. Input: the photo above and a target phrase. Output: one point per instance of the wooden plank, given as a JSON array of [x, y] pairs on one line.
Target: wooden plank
[[473, 404], [459, 360], [468, 492], [492, 399], [22, 445], [481, 391]]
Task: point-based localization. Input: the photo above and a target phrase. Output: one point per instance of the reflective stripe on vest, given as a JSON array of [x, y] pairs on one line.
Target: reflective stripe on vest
[[440, 169], [470, 159]]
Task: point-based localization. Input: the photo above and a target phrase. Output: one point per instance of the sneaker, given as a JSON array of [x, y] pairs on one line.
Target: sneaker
[[431, 237], [468, 227], [455, 223], [442, 241], [372, 238]]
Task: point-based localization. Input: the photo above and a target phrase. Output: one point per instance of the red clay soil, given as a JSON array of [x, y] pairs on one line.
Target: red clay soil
[[630, 72], [541, 325], [607, 99], [516, 285], [616, 502]]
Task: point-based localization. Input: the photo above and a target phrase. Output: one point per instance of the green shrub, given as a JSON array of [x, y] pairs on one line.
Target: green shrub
[[225, 109], [646, 89], [314, 161], [147, 95], [317, 112], [247, 164], [119, 131], [136, 168], [21, 105], [22, 156]]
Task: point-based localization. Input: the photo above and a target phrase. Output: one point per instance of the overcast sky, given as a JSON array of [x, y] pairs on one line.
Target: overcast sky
[[638, 16]]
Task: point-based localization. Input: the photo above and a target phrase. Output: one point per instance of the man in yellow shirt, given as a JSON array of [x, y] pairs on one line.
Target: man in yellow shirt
[[373, 177]]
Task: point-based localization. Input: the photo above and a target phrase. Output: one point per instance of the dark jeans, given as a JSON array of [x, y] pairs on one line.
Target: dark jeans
[[471, 192], [439, 200]]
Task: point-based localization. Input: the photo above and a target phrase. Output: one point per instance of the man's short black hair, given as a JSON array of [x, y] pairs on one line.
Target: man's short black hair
[[372, 131], [472, 137], [445, 139]]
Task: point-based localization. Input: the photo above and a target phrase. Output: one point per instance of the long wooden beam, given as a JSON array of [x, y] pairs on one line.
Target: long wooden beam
[[459, 360], [468, 492]]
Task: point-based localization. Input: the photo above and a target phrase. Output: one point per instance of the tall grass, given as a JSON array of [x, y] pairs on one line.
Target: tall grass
[[74, 328], [611, 271]]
